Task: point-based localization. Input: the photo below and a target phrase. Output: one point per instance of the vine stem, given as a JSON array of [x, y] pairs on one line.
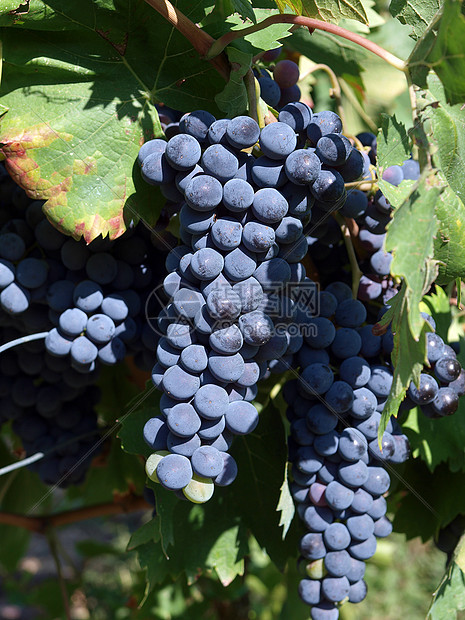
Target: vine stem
[[41, 524], [356, 273], [335, 92], [313, 24], [201, 41], [253, 98]]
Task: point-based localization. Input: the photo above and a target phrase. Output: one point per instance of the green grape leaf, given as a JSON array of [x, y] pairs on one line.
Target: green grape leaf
[[437, 441], [415, 13], [146, 533], [447, 58], [262, 40], [245, 10], [328, 11], [437, 304], [202, 539], [449, 598], [412, 261], [166, 502], [408, 355], [447, 134], [81, 85], [393, 143], [233, 98], [286, 506], [261, 459], [114, 470], [141, 409], [413, 253], [397, 195], [116, 388], [430, 502], [440, 50], [449, 245], [224, 8]]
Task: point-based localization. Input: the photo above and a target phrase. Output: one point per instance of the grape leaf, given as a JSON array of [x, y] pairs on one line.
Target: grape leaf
[[328, 10], [286, 506], [393, 143], [440, 50], [438, 441], [146, 533], [413, 253], [447, 134], [397, 195], [261, 459], [449, 598], [204, 538], [255, 42], [447, 57], [408, 355], [166, 503], [225, 8], [415, 13], [233, 98], [141, 409], [437, 304], [432, 501], [412, 261], [245, 10], [81, 87], [449, 245]]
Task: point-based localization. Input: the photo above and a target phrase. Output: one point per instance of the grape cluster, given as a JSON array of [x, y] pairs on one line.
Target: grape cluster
[[73, 294], [338, 469], [241, 221], [90, 298]]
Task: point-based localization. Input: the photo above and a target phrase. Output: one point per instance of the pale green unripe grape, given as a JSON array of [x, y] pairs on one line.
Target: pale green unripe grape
[[152, 462], [316, 569], [199, 490]]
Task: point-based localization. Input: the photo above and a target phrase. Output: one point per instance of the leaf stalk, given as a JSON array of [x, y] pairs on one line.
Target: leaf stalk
[[312, 24]]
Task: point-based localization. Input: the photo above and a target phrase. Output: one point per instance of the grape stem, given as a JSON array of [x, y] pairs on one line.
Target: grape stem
[[22, 340], [312, 24], [201, 41], [356, 273], [253, 98], [40, 524], [335, 90]]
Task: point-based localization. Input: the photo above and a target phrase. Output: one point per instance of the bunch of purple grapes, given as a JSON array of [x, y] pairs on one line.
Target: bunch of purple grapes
[[338, 470], [242, 222], [77, 297]]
